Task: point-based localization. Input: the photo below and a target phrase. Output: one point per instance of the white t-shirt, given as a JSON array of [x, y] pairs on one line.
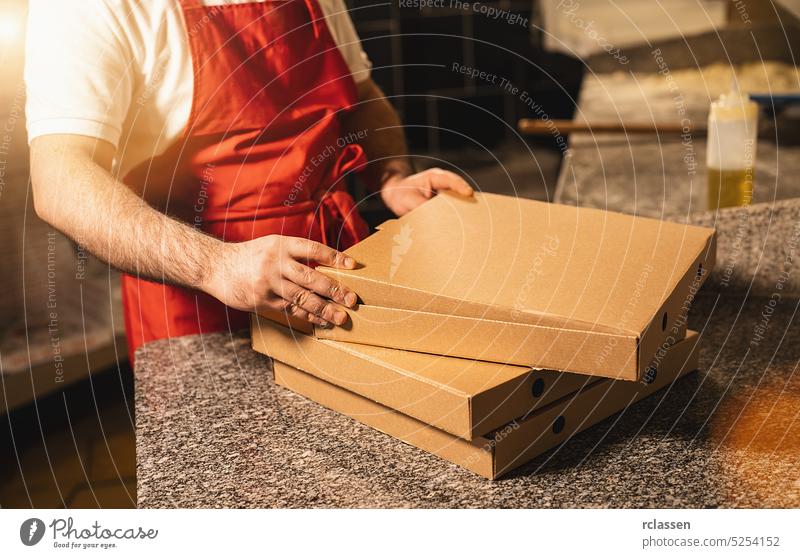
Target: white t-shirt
[[121, 70]]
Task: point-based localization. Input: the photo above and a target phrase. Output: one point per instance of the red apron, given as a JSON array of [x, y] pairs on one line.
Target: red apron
[[263, 151]]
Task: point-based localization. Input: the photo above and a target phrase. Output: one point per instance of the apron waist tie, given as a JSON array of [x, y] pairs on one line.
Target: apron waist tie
[[340, 225], [338, 217]]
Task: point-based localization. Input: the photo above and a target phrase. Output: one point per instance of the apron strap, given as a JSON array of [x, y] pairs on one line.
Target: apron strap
[[317, 17]]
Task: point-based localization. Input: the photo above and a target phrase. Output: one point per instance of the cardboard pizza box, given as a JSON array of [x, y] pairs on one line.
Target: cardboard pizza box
[[517, 442], [466, 398], [517, 281]]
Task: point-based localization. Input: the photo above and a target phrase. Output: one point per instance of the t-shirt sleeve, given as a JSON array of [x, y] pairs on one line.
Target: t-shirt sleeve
[[346, 37], [78, 70]]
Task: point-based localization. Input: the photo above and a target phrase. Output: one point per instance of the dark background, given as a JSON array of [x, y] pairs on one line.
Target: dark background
[[412, 52], [465, 124]]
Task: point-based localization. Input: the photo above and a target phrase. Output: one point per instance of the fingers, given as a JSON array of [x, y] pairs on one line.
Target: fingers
[[320, 284], [317, 252], [411, 200], [311, 303], [441, 179], [301, 314]]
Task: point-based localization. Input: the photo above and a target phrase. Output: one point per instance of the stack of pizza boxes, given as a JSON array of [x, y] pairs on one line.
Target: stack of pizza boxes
[[492, 329]]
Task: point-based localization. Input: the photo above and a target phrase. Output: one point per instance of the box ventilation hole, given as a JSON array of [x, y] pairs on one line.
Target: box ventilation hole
[[537, 389], [558, 424], [664, 322]]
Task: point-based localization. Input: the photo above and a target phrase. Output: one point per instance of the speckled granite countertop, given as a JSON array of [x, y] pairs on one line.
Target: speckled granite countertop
[[214, 431]]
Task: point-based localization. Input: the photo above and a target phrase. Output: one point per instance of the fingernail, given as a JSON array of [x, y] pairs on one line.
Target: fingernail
[[349, 262], [324, 325], [340, 317], [350, 299]]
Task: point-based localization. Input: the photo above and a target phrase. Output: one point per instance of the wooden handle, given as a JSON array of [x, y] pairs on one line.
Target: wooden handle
[[537, 127]]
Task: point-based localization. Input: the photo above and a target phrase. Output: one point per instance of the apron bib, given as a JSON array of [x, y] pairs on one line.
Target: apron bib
[[263, 151]]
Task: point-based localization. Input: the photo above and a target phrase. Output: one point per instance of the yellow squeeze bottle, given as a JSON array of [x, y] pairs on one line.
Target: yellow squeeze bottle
[[731, 150]]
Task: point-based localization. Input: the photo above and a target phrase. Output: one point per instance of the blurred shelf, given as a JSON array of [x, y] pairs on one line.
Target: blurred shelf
[[40, 379]]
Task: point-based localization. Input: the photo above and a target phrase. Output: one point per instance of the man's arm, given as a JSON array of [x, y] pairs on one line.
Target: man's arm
[[75, 192], [389, 168], [385, 143]]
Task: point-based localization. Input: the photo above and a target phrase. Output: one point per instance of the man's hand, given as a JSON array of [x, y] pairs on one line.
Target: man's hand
[[402, 194], [75, 192], [268, 273]]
